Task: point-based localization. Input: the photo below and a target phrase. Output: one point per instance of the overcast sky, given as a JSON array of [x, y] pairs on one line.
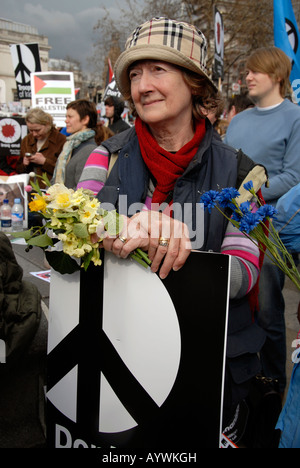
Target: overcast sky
[[68, 24]]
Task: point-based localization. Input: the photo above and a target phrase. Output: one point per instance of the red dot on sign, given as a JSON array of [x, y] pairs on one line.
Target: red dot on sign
[[8, 131], [219, 33]]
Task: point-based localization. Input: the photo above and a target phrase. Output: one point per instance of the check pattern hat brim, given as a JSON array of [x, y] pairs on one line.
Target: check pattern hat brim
[[166, 40]]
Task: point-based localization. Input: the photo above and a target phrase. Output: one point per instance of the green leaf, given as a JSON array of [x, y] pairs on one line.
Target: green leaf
[[87, 260], [42, 241], [80, 230], [71, 214], [46, 180], [62, 262], [23, 234], [36, 187]]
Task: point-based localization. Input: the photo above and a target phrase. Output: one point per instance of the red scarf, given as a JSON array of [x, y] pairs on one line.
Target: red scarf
[[164, 166]]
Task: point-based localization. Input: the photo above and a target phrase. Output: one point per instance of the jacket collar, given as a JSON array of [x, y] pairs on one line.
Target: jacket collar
[[51, 139], [118, 141]]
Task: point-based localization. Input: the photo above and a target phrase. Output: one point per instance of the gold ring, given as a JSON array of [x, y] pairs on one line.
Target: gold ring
[[163, 242], [123, 239]]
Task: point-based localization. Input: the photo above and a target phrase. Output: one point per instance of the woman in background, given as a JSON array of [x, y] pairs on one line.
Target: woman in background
[[41, 147], [81, 123]]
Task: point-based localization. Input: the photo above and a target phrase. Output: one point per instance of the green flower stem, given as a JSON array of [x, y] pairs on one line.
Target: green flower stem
[[263, 235], [144, 256], [141, 257], [270, 249]]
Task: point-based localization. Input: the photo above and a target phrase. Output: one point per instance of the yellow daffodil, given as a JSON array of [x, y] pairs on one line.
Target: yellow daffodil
[[38, 203], [97, 261], [92, 228], [60, 197], [87, 247], [87, 215], [96, 257], [63, 237], [55, 223]]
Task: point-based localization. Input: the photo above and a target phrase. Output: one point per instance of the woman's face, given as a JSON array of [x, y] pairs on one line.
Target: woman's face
[[159, 92], [39, 131], [260, 85], [73, 122], [3, 193]]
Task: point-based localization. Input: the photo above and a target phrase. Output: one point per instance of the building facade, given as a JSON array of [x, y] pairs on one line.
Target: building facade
[[17, 33]]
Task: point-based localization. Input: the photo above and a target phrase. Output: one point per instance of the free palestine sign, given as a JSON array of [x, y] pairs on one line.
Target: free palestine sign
[[52, 92]]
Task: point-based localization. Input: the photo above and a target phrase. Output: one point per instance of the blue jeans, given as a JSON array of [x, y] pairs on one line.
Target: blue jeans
[[271, 318]]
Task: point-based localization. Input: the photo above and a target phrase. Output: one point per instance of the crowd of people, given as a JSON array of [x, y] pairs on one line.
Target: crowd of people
[[176, 150]]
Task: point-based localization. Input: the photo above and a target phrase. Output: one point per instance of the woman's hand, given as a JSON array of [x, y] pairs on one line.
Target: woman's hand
[[37, 158], [26, 160], [165, 239]]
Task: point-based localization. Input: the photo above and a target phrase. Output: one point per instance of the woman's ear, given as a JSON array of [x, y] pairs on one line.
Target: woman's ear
[[85, 120]]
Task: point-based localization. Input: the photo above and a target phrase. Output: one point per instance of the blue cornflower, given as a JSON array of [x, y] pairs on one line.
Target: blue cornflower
[[267, 211], [251, 225], [226, 195], [236, 216], [245, 207], [249, 221], [209, 199], [248, 186]]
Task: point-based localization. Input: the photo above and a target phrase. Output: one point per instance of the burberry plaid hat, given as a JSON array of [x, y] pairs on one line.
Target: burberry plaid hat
[[167, 40]]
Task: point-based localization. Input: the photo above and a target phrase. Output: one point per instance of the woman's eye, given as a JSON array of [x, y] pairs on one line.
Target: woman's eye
[[133, 74]]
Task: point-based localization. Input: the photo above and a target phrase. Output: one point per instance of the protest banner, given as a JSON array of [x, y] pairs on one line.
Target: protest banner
[[134, 361], [218, 68], [12, 131], [112, 90], [52, 91], [287, 38], [26, 60]]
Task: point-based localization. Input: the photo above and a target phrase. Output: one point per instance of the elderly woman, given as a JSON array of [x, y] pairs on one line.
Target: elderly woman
[[81, 124], [41, 147], [171, 157]]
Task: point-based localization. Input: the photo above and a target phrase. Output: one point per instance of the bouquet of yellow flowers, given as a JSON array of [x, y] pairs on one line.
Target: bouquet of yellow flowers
[[71, 217]]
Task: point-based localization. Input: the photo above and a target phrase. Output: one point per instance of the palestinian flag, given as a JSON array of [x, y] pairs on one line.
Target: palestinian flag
[[53, 83]]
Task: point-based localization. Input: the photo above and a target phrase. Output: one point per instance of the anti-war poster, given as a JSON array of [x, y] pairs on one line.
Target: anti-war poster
[[136, 362]]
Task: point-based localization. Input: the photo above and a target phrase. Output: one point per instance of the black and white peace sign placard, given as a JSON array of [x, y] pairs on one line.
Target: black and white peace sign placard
[[134, 361], [26, 60]]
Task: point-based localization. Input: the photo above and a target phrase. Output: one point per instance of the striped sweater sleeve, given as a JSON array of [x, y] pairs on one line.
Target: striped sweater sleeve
[[244, 261], [94, 173]]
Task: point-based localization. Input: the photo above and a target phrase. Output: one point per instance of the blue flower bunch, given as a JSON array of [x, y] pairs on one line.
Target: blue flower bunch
[[255, 224]]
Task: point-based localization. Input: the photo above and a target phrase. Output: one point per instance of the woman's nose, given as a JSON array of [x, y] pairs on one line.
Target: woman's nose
[[145, 82], [249, 76]]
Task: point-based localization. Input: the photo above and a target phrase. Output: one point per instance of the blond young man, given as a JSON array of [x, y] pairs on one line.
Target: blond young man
[[270, 134]]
